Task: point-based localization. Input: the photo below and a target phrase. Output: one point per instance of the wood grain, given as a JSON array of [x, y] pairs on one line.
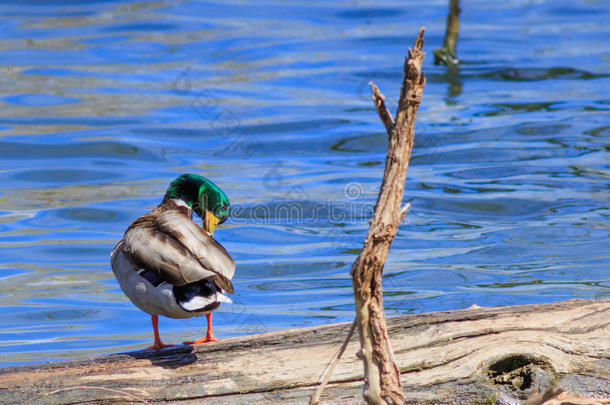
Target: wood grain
[[444, 357]]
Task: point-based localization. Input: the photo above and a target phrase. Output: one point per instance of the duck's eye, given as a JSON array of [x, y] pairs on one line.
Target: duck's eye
[[224, 206]]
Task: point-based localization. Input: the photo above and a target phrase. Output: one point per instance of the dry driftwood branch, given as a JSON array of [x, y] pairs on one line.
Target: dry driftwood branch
[[451, 357], [384, 112], [447, 55], [330, 367], [381, 373]]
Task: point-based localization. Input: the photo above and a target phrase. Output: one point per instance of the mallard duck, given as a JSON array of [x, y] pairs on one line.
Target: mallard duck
[[168, 265]]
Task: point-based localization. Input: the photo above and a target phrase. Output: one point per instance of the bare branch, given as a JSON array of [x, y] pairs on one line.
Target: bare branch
[[413, 84], [381, 373], [382, 110]]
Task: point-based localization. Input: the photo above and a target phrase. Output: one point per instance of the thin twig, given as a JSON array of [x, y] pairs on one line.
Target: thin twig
[[315, 398], [382, 110], [404, 211], [46, 394]]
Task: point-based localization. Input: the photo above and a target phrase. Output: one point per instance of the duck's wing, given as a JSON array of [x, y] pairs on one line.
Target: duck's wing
[[173, 246], [211, 254]]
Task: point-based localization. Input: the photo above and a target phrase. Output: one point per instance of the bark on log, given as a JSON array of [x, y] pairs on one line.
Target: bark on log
[[469, 356], [381, 373]]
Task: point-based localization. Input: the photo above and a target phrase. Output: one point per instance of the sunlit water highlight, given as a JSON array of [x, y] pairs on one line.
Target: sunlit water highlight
[[104, 103]]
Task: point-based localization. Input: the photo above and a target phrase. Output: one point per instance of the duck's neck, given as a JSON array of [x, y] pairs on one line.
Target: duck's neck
[[176, 204]]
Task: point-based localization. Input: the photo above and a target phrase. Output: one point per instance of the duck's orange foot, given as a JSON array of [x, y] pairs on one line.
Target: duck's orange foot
[[158, 346], [207, 339], [209, 336]]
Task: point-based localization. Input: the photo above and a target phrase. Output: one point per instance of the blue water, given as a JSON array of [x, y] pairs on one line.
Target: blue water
[[104, 103]]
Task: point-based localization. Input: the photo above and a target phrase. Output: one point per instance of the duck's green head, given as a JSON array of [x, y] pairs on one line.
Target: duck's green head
[[208, 201]]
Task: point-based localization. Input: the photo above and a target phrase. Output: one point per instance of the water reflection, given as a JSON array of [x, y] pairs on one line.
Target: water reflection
[[455, 83]]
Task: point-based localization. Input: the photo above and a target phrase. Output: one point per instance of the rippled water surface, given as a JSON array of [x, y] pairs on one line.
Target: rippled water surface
[[104, 103]]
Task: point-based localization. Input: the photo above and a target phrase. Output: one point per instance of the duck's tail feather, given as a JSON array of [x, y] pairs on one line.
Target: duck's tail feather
[[221, 297]]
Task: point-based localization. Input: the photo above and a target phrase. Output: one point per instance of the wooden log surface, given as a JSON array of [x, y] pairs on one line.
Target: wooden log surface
[[480, 355]]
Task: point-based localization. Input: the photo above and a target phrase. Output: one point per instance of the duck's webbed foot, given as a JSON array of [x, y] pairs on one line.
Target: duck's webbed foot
[[205, 339], [157, 344], [209, 337]]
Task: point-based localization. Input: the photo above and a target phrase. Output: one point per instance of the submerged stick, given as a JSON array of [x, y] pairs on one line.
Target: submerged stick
[[447, 55], [381, 373]]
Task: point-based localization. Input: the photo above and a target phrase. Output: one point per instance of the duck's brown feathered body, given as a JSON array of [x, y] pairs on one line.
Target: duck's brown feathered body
[[168, 265], [165, 257]]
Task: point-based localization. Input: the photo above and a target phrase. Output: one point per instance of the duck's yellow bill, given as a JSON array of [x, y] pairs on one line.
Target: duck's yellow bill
[[210, 222]]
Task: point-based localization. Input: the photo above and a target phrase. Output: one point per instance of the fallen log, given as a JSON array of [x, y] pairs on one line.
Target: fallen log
[[479, 355]]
